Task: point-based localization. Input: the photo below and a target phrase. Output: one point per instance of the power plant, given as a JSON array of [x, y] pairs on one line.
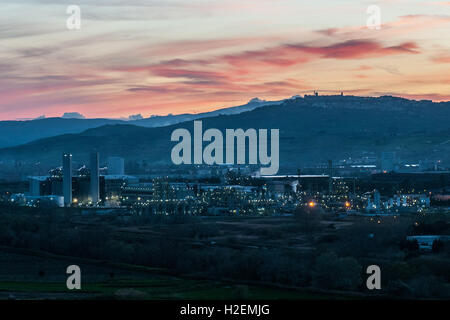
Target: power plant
[[95, 178], [73, 184]]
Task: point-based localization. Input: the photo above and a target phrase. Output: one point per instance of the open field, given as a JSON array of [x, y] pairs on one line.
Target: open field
[[30, 276], [195, 257]]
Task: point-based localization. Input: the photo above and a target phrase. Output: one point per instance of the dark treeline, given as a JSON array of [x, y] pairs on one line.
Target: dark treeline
[[334, 260]]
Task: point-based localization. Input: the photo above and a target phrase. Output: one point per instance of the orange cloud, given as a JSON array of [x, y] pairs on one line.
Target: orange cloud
[[441, 59]]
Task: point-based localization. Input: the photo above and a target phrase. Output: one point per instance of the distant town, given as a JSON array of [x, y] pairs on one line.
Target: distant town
[[368, 186]]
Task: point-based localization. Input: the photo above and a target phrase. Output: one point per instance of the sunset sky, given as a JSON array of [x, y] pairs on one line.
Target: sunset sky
[[154, 57]]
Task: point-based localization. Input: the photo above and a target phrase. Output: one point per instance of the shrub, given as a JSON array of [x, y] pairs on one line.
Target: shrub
[[333, 272]]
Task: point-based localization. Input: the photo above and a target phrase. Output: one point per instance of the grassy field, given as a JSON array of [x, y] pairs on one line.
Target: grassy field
[[32, 276], [311, 256]]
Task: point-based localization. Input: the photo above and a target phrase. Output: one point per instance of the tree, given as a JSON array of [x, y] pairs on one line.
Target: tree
[[438, 246], [333, 272], [308, 217]]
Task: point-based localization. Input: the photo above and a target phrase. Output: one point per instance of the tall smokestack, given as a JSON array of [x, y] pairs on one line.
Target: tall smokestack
[[67, 179], [95, 179], [330, 172]]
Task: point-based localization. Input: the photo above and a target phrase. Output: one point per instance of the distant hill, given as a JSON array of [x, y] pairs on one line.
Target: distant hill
[[14, 133], [161, 121], [18, 132], [311, 129]]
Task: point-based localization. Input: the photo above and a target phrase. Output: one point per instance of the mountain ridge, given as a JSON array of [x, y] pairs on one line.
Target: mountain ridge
[[14, 133], [311, 129]]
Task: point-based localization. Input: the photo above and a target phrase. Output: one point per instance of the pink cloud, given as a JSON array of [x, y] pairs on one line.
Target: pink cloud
[[441, 59]]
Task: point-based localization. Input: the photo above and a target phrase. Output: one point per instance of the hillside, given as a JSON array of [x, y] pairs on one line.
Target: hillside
[[311, 129], [14, 133]]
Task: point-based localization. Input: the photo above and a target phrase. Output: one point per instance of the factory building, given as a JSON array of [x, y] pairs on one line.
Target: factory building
[[309, 183], [116, 166], [94, 178], [67, 179], [84, 186], [388, 161]]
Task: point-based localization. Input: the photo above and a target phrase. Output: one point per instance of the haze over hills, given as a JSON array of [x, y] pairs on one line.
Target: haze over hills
[[311, 129], [14, 133]]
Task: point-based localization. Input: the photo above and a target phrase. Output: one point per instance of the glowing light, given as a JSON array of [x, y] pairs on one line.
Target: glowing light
[[347, 204], [311, 204]]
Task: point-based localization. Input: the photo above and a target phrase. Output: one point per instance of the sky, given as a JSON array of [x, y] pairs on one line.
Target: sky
[[155, 57]]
